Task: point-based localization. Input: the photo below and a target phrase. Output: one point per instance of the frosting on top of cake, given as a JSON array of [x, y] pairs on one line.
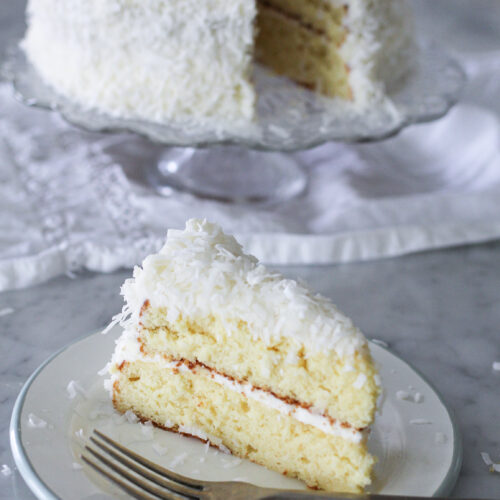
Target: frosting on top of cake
[[202, 272]]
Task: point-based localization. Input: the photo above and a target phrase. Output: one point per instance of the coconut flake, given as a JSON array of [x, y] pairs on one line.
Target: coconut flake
[[360, 381], [178, 460], [380, 342], [486, 458], [6, 470], [404, 396], [76, 466], [5, 311], [131, 417], [80, 434], [147, 430], [159, 450], [36, 422], [418, 398], [229, 464], [496, 366], [73, 388]]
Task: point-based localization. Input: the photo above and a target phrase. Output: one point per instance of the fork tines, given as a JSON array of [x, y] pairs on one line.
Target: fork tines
[[137, 475]]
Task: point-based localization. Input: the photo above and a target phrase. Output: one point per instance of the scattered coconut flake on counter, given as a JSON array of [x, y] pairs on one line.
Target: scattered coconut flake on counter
[[496, 366], [360, 381], [80, 434], [159, 450], [440, 438], [420, 421], [178, 460], [381, 343], [76, 466], [73, 388], [36, 422], [6, 470], [5, 311]]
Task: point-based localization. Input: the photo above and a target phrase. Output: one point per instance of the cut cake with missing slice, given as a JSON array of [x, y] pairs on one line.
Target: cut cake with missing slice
[[218, 347]]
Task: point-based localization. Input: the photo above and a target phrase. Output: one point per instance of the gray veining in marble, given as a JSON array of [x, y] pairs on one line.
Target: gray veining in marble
[[438, 310]]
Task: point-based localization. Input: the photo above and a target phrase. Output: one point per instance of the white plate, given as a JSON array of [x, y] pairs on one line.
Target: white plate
[[418, 444]]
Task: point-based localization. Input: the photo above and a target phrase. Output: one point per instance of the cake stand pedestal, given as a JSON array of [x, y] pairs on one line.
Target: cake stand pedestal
[[247, 162], [228, 174]]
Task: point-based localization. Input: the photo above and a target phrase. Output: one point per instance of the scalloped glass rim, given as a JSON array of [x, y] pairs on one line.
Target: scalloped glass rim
[[290, 118]]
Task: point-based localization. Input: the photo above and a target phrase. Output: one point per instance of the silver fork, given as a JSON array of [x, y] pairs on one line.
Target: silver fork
[[146, 480]]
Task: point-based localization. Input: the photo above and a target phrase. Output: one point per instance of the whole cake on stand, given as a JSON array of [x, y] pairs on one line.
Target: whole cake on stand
[[260, 75]]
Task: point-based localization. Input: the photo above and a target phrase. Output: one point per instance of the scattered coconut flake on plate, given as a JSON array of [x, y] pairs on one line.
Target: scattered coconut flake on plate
[[76, 466], [207, 447], [104, 371], [440, 438], [202, 459], [229, 464], [380, 342], [73, 388], [159, 450], [147, 430], [496, 366], [80, 434], [418, 397], [5, 311], [178, 460], [404, 396], [243, 479], [36, 422], [6, 470], [420, 421], [131, 417]]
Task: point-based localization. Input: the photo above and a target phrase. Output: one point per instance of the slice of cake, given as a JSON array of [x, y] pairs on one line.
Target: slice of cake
[[162, 60], [218, 347]]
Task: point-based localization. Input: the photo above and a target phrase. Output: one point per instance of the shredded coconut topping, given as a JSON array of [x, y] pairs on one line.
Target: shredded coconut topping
[[202, 272]]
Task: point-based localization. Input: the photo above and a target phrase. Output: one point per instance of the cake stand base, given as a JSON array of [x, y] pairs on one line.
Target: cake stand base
[[229, 174]]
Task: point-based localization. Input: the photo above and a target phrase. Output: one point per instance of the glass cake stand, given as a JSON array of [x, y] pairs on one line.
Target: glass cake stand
[[249, 162]]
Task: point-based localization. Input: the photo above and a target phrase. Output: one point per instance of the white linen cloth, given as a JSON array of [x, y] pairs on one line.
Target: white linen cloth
[[66, 203]]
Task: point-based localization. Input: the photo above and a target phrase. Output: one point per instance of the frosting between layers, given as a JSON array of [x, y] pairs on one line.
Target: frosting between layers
[[128, 349], [202, 272]]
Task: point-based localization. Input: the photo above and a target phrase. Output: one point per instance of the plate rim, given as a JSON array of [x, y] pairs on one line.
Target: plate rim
[[42, 491]]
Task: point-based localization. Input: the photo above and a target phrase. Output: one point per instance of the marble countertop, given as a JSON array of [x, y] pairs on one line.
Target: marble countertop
[[438, 310]]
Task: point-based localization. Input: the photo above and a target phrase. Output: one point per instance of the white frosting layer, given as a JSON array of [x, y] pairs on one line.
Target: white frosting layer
[[163, 60], [128, 350], [202, 272]]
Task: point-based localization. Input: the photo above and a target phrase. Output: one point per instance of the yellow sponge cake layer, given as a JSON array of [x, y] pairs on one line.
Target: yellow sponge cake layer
[[193, 403], [345, 389], [301, 40]]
